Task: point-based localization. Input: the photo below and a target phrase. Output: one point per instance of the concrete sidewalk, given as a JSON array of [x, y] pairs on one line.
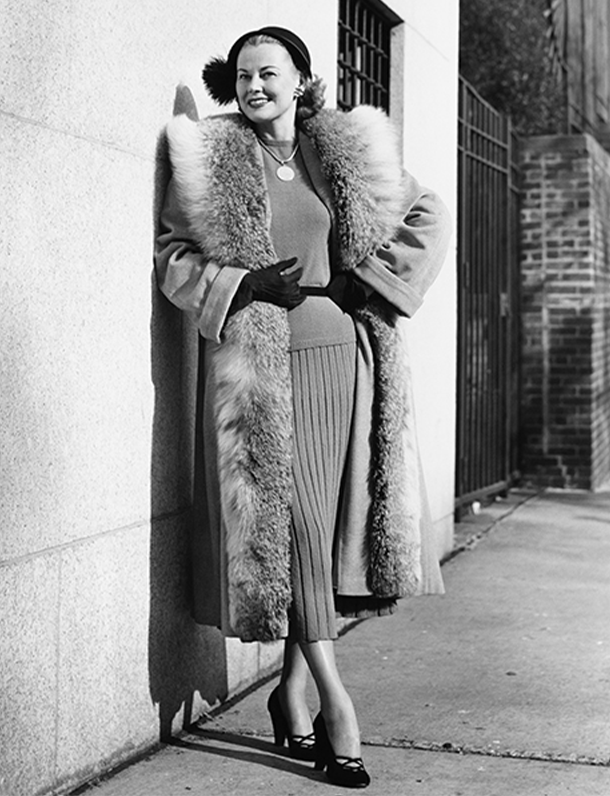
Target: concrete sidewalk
[[499, 688]]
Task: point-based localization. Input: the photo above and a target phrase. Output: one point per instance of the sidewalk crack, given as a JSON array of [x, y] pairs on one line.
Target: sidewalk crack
[[466, 749]]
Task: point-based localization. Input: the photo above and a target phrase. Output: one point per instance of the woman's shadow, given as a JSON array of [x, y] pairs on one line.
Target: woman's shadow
[[245, 749], [186, 662]]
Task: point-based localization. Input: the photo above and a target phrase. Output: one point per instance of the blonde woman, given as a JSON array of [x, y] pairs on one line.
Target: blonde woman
[[293, 237]]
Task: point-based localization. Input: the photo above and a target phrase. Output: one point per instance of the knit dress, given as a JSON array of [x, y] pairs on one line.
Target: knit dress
[[323, 364]]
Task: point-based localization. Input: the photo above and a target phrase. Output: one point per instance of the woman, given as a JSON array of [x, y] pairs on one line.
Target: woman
[[294, 239]]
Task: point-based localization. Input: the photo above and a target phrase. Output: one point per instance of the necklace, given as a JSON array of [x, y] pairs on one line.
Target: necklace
[[283, 172]]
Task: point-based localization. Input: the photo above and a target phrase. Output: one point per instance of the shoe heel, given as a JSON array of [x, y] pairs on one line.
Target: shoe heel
[[322, 743], [280, 730], [301, 747]]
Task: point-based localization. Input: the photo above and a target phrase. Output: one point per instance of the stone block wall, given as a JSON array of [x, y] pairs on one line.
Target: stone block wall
[[565, 312], [98, 654]]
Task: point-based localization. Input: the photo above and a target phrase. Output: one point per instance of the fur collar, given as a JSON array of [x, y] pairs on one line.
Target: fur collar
[[220, 179], [360, 159]]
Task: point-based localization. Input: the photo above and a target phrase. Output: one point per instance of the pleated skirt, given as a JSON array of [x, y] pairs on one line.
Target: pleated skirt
[[323, 382]]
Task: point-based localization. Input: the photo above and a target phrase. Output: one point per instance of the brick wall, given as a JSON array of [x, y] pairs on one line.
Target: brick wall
[[565, 242]]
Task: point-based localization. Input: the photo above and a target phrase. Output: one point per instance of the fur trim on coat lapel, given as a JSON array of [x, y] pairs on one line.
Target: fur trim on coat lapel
[[394, 536], [221, 183], [360, 158], [222, 187]]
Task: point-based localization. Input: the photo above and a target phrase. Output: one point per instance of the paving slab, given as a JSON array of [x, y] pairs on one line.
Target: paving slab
[[230, 764]]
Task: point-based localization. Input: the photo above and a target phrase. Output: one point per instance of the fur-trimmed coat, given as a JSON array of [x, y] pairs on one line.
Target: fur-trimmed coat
[[392, 235]]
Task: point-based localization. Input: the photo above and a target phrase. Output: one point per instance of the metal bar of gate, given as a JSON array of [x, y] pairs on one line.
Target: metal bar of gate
[[487, 281]]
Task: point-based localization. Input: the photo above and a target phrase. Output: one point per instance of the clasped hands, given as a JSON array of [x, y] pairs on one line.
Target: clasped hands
[[277, 284]]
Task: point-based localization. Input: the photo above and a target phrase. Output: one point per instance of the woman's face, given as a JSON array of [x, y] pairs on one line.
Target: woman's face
[[265, 85]]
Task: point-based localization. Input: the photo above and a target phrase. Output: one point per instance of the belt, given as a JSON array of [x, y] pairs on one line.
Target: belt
[[314, 291]]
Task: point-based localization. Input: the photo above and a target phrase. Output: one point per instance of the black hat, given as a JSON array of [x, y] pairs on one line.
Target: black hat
[[219, 74]]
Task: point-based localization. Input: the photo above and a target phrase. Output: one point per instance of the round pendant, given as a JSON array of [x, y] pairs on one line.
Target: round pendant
[[285, 173]]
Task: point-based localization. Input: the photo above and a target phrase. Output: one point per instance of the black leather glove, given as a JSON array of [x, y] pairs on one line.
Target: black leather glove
[[348, 292], [269, 284]]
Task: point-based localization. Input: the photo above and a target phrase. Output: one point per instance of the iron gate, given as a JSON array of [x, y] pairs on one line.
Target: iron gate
[[488, 300]]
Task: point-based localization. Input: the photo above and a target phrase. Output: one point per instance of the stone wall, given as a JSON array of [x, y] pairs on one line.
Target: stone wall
[[98, 654], [566, 312]]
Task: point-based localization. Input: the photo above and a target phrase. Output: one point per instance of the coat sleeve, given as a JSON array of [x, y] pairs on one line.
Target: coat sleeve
[[403, 269], [189, 280]]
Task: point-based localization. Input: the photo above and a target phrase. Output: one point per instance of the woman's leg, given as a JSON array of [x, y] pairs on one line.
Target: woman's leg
[[292, 686], [336, 704], [323, 395]]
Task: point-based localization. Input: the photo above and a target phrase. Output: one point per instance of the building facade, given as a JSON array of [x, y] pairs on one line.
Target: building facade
[[579, 36], [98, 655]]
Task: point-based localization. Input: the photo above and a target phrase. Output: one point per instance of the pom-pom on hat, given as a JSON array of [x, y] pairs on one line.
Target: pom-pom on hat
[[219, 74]]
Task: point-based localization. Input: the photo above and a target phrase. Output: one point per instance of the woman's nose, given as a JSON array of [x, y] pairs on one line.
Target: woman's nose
[[255, 84]]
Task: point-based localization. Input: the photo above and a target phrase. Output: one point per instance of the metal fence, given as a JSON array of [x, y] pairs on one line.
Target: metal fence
[[488, 301]]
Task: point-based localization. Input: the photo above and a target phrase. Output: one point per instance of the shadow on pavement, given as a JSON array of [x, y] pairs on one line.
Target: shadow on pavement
[[253, 750]]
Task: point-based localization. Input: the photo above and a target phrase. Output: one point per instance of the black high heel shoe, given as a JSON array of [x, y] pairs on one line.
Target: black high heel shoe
[[347, 771], [301, 747]]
